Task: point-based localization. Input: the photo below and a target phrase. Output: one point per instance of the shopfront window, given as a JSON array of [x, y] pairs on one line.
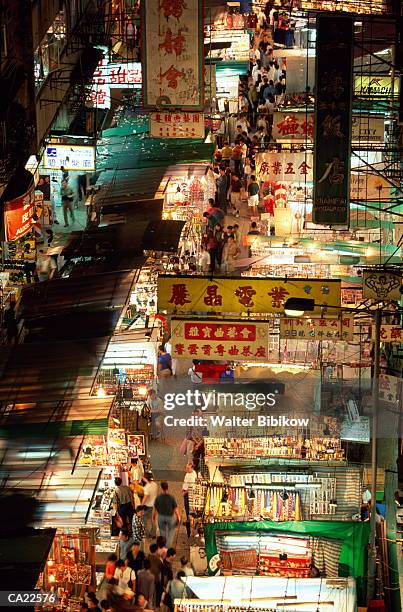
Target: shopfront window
[[47, 55]]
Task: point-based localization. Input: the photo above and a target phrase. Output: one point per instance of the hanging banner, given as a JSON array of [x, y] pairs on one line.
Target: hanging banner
[[223, 294], [177, 125], [294, 127], [333, 104], [299, 127], [284, 166], [112, 75], [389, 388], [211, 340], [173, 53], [18, 215], [370, 86], [369, 186], [317, 329], [390, 333], [382, 286]]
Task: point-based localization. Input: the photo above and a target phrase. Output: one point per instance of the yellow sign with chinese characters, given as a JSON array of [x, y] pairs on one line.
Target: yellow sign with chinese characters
[[390, 333], [230, 340], [221, 294], [317, 329]]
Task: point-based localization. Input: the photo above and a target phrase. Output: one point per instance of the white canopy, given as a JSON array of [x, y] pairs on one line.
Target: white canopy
[[302, 594]]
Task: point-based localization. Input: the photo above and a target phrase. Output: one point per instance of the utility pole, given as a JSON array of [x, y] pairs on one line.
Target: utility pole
[[372, 568]]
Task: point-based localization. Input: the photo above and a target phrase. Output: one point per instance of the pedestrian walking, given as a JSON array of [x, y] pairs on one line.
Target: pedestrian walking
[[135, 557], [123, 502], [253, 196], [138, 528], [145, 584], [150, 495], [67, 195], [167, 513], [188, 481]]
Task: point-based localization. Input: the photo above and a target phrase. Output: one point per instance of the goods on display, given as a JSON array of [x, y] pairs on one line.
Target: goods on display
[[296, 447]]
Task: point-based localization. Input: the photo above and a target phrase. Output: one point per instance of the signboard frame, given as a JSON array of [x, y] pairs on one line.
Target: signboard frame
[[160, 101], [333, 120]]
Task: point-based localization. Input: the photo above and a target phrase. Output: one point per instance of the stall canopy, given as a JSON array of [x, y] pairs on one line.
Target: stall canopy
[[51, 370], [72, 325], [354, 537], [88, 293], [79, 416], [138, 152], [45, 469], [264, 592]]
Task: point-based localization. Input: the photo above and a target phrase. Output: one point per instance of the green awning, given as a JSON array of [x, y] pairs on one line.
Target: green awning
[[353, 535], [136, 152], [56, 429], [232, 68]]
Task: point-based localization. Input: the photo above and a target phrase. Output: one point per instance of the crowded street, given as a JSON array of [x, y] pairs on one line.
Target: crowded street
[[201, 348]]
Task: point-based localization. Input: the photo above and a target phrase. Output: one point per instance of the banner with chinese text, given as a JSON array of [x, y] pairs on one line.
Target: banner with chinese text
[[177, 125], [284, 166], [389, 388], [382, 285], [230, 340], [317, 329], [222, 294], [112, 75], [299, 127], [293, 126], [333, 106], [173, 50], [18, 215], [390, 333]]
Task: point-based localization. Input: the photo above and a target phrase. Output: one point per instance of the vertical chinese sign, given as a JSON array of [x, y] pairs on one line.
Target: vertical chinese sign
[[333, 107], [173, 54]]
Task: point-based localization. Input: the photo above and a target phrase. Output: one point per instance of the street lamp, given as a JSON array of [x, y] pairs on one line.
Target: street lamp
[[297, 307]]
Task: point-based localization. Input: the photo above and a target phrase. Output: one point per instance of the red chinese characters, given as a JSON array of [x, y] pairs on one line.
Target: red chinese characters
[[180, 295], [278, 295], [289, 126], [173, 44], [245, 295], [172, 75], [212, 297], [172, 8]]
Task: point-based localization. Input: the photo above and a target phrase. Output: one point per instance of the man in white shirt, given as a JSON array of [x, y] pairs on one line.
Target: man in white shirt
[[150, 495], [190, 479]]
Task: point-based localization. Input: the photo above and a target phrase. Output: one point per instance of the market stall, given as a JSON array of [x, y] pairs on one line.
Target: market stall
[[336, 548], [70, 568], [268, 594]]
